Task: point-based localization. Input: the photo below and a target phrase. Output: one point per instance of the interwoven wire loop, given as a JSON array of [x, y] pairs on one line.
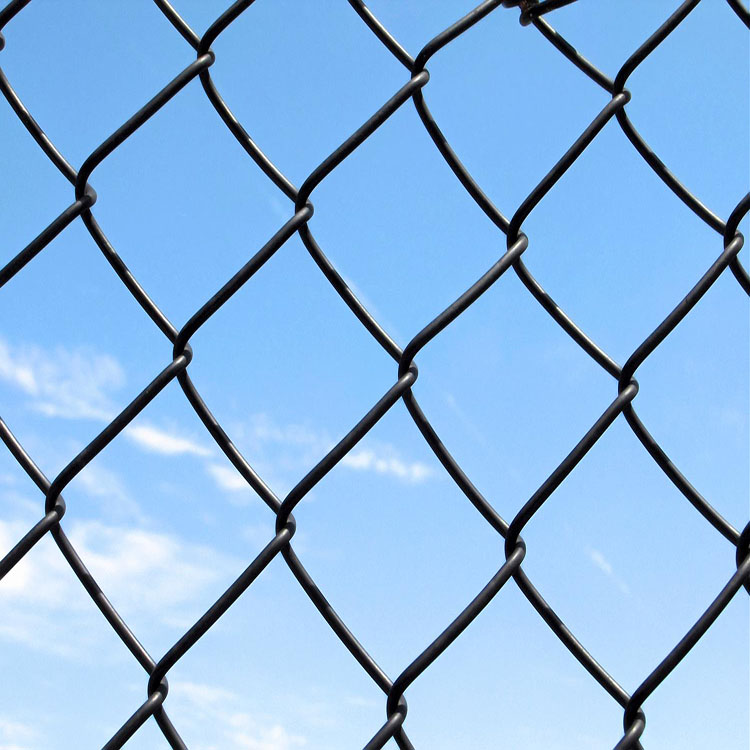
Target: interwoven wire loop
[[532, 12]]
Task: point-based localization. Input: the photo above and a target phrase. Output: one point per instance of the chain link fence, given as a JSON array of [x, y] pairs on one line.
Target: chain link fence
[[729, 241]]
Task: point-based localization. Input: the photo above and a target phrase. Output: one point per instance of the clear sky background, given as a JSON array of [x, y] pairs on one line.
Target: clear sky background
[[165, 523]]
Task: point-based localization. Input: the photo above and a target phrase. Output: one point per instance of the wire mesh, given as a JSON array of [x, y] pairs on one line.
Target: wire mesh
[[729, 243]]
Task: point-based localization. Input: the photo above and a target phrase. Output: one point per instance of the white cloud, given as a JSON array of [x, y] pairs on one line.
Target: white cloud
[[283, 210], [386, 463], [601, 562], [40, 578], [62, 382], [374, 310], [284, 453], [207, 697], [38, 585], [156, 440], [260, 534], [17, 503], [155, 577], [246, 735], [145, 571], [77, 384], [463, 417], [261, 429], [228, 478], [101, 483], [203, 707], [16, 736]]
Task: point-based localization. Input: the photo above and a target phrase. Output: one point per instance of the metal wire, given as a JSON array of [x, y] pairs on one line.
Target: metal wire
[[532, 13]]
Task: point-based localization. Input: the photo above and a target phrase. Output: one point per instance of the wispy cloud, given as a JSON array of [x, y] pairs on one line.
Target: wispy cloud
[[156, 440], [261, 429], [283, 210], [15, 735], [106, 485], [387, 463], [198, 706], [260, 534], [153, 576], [373, 309], [467, 423], [290, 451], [601, 562], [145, 570], [227, 478], [78, 384], [63, 382]]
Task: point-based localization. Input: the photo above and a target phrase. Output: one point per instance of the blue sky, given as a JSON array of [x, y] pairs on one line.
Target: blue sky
[[165, 523]]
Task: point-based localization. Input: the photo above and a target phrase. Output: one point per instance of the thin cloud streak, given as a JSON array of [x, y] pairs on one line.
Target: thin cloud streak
[[198, 705], [102, 484], [292, 450], [155, 440], [78, 383], [369, 460], [15, 735], [72, 383], [601, 562], [158, 577], [227, 478]]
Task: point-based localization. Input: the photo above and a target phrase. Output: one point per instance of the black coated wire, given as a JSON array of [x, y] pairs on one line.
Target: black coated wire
[[532, 12]]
